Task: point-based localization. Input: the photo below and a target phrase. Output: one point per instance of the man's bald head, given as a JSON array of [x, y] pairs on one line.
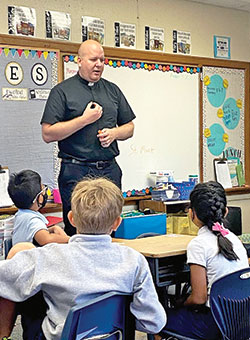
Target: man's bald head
[[88, 45], [90, 60]]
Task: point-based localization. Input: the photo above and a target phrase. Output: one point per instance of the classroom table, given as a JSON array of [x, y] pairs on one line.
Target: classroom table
[[159, 246], [166, 255]]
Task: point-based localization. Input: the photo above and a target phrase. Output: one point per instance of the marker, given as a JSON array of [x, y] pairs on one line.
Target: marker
[[99, 131], [92, 106]]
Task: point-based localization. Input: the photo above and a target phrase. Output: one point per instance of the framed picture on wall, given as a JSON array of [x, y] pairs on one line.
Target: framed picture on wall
[[222, 47]]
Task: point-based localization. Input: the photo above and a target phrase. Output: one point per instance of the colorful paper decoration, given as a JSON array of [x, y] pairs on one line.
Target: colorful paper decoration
[[6, 51], [26, 53], [45, 54], [39, 53], [136, 193], [19, 51], [33, 53]]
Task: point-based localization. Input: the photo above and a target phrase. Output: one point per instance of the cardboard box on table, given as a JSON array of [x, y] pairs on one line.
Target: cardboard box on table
[[180, 223]]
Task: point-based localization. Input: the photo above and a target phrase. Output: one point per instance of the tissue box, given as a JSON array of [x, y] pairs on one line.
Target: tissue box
[[131, 227]]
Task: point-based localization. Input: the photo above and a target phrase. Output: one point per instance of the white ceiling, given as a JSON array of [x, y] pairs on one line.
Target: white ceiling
[[243, 5]]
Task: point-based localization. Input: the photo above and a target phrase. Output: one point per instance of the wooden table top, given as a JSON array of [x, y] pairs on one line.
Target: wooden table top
[[159, 246]]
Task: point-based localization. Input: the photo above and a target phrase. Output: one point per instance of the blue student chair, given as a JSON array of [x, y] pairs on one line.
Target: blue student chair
[[230, 305], [105, 317]]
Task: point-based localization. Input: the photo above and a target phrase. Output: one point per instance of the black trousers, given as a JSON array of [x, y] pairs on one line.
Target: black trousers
[[32, 312], [71, 173]]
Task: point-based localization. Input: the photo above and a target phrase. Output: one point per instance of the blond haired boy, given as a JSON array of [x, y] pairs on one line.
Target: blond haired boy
[[89, 265], [96, 206]]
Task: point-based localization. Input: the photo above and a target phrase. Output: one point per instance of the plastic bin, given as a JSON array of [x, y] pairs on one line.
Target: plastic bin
[[184, 188], [131, 227], [165, 195]]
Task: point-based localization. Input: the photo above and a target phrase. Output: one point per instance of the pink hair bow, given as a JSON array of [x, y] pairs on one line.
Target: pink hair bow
[[218, 227]]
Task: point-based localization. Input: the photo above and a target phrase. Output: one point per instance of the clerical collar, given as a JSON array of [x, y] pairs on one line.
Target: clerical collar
[[86, 82]]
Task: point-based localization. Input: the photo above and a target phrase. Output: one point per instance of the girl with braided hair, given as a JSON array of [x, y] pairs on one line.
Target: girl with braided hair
[[215, 252]]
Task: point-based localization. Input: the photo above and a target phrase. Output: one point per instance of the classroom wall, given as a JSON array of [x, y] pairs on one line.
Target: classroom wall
[[203, 21]]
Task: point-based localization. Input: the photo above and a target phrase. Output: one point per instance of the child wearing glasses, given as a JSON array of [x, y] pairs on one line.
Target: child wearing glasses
[[29, 195], [215, 252]]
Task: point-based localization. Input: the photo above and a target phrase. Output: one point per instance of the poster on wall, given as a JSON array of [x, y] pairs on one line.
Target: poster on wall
[[181, 42], [125, 35], [21, 21], [154, 39], [58, 25], [70, 66], [223, 119], [222, 47], [93, 28]]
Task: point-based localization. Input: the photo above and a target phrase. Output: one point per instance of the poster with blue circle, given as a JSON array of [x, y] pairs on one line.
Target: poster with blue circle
[[231, 115], [216, 91], [215, 142]]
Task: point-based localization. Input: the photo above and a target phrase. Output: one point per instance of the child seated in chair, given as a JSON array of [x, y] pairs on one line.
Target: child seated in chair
[[29, 195], [215, 252], [88, 266]]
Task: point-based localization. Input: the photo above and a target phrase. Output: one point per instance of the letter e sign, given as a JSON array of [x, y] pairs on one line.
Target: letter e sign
[[14, 73], [39, 74]]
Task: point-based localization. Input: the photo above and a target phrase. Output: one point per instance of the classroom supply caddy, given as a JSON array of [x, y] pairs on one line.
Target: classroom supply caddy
[[174, 191], [167, 194], [133, 226]]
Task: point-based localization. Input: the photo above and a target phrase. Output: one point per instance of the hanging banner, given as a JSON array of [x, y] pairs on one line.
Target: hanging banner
[[58, 25], [93, 28], [21, 21]]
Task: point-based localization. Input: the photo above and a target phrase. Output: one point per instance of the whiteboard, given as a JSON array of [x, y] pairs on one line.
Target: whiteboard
[[166, 135]]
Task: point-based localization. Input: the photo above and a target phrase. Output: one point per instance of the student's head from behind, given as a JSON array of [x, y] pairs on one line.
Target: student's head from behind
[[96, 205], [25, 189], [208, 201], [208, 206]]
